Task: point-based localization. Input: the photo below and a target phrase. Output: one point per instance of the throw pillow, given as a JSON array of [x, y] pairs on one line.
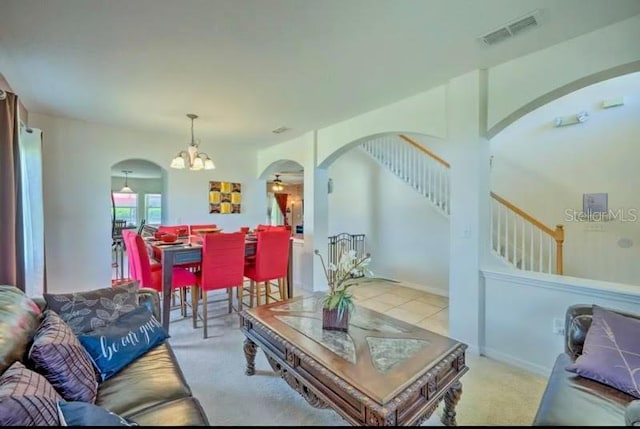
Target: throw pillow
[[57, 354], [86, 311], [19, 318], [27, 398], [113, 347], [84, 414], [611, 352]]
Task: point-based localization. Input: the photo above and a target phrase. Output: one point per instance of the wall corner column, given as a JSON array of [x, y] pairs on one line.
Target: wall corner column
[[469, 219], [316, 225]]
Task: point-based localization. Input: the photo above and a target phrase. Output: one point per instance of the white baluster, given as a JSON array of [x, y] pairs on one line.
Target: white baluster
[[531, 268], [522, 255], [550, 252], [499, 207], [515, 239]]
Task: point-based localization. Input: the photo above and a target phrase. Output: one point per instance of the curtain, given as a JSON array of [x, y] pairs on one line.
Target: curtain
[[11, 244], [275, 215], [282, 204], [33, 210]]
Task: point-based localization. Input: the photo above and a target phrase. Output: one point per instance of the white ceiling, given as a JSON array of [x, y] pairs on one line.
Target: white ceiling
[[249, 66]]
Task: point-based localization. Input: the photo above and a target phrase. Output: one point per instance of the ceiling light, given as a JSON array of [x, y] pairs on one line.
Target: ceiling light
[[126, 189], [191, 157], [277, 184]]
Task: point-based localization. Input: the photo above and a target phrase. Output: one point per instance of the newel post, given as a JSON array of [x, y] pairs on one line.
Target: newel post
[[559, 236]]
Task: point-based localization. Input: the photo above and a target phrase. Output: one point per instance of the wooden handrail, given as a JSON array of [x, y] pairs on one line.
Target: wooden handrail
[[424, 150], [524, 214], [557, 234]]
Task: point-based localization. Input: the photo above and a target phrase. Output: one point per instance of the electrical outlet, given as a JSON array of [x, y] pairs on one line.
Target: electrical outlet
[[558, 326]]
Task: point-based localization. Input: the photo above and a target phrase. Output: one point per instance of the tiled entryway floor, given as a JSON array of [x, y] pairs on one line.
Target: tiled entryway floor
[[410, 305]]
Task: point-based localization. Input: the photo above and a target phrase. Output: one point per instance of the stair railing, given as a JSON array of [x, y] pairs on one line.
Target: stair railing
[[416, 165], [524, 241]]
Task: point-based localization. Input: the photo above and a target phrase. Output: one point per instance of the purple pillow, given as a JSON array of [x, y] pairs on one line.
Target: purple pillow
[[57, 354], [611, 352], [27, 398]]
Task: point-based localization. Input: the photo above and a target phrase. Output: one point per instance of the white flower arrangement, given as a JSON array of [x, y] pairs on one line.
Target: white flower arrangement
[[348, 272]]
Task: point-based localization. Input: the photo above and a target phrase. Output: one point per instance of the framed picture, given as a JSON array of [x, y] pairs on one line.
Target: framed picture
[[595, 203], [225, 197]]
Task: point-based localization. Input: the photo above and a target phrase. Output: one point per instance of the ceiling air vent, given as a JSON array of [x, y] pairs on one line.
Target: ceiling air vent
[[517, 26]]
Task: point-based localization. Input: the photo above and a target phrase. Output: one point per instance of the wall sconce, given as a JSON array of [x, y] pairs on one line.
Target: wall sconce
[[563, 121], [613, 102], [330, 186]]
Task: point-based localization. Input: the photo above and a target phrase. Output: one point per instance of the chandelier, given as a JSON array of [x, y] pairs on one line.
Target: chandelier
[[277, 184], [126, 189], [191, 157]]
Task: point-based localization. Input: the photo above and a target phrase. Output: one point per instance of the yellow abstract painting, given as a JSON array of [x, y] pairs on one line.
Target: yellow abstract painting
[[224, 197]]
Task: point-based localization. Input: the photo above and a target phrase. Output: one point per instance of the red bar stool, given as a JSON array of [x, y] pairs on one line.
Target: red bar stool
[[222, 268], [270, 263]]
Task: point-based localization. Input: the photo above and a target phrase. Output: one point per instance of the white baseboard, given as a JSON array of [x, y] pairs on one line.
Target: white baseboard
[[424, 288], [513, 361]]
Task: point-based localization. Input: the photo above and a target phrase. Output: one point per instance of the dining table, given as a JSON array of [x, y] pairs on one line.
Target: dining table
[[188, 250]]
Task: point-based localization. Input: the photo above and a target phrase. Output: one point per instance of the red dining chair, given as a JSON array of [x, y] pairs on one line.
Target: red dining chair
[[270, 263], [152, 278], [222, 268], [130, 246], [125, 240]]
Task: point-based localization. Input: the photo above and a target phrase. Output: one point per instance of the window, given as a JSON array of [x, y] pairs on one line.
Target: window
[[126, 207], [153, 209]]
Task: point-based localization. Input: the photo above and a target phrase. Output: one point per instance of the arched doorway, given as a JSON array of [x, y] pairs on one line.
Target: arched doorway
[[549, 164], [137, 190], [285, 195], [393, 189]]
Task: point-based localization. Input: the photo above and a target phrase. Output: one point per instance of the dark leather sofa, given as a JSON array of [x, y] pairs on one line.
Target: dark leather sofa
[[151, 391], [571, 400]]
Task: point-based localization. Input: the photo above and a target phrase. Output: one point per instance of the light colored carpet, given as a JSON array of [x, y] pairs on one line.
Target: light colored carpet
[[494, 394]]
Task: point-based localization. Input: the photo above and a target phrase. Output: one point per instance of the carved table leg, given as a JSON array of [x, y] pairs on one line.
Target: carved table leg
[[250, 349], [451, 399]]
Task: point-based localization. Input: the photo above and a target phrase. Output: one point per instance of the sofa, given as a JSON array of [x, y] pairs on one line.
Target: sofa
[[572, 400], [151, 390]]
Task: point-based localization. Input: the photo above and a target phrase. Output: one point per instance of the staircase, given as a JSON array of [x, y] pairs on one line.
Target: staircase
[[517, 238], [414, 164]]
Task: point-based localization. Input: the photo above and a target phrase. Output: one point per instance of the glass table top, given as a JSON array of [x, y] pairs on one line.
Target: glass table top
[[385, 352]]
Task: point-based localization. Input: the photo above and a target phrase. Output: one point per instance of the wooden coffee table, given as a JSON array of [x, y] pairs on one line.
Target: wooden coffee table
[[382, 372]]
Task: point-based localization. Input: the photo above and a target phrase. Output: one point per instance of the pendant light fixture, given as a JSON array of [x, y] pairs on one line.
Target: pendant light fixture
[[277, 184], [191, 157], [126, 189]]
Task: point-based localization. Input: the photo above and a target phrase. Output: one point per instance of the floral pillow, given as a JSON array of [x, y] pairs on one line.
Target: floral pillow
[[611, 352], [86, 311]]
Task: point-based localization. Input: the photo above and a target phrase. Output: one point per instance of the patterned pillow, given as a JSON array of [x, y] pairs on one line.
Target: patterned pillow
[[611, 352], [27, 398], [113, 347], [19, 318], [86, 311], [57, 354]]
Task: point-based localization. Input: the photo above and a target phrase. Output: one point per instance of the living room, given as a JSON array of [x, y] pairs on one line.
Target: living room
[[490, 308]]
